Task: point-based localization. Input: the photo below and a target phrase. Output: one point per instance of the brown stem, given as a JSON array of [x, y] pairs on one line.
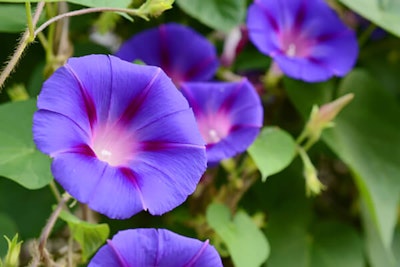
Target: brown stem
[[43, 255]]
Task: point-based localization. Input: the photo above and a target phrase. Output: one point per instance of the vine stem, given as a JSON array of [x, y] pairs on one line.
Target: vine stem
[[26, 37], [23, 43], [29, 20], [134, 12]]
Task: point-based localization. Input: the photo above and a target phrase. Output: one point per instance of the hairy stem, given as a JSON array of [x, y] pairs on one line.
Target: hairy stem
[[23, 43], [43, 254]]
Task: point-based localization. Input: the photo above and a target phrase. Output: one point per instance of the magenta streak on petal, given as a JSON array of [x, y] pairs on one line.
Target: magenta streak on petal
[[82, 149], [120, 258], [228, 102], [138, 101], [321, 63], [193, 103], [300, 15], [197, 68], [269, 16], [241, 126], [198, 254], [330, 36], [87, 99], [165, 60], [130, 175], [157, 146]]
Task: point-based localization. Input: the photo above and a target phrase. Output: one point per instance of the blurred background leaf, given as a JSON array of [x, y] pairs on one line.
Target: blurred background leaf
[[364, 136], [272, 151], [220, 15], [247, 245], [20, 161], [384, 13]]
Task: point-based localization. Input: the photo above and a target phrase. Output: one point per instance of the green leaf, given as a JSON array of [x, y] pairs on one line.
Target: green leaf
[[20, 161], [289, 216], [89, 236], [32, 204], [364, 137], [384, 13], [88, 3], [336, 244], [378, 255], [23, 1], [12, 17], [273, 150], [247, 245], [217, 14]]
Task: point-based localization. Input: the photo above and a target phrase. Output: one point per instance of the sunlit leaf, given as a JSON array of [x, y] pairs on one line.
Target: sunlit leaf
[[273, 150], [383, 13], [366, 137], [20, 161], [218, 14], [247, 245], [89, 236], [12, 17]]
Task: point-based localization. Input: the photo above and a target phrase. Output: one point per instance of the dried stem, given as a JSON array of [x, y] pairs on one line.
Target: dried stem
[[43, 254]]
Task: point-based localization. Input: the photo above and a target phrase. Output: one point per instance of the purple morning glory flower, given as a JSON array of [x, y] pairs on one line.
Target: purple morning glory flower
[[229, 115], [122, 137], [305, 37], [181, 52], [155, 248]]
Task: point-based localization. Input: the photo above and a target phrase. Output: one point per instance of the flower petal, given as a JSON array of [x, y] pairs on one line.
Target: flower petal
[[168, 185], [51, 139], [301, 68], [229, 115], [181, 52], [306, 38], [152, 247], [78, 172], [110, 151], [109, 190], [151, 97]]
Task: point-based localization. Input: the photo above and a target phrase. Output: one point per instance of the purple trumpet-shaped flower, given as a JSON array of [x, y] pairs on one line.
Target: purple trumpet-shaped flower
[[229, 115], [155, 248], [305, 37], [181, 52], [122, 137]]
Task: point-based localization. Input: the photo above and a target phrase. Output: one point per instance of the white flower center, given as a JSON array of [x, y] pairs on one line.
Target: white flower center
[[113, 145], [291, 51]]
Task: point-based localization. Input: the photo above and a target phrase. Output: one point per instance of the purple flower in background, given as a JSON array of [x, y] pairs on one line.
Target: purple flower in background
[[181, 52], [229, 115], [155, 248], [122, 137], [305, 37]]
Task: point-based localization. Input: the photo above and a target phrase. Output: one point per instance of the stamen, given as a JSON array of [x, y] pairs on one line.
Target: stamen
[[291, 51], [214, 136]]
